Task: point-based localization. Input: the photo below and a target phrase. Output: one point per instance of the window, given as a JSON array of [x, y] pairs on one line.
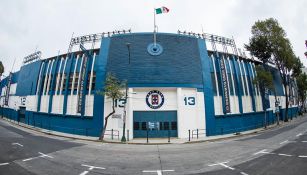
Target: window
[[71, 76], [93, 81], [51, 87], [174, 125], [42, 85], [76, 80], [59, 78], [136, 125], [144, 126], [166, 125], [235, 83], [64, 81]]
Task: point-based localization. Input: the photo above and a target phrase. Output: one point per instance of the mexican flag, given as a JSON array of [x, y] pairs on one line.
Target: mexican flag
[[162, 10]]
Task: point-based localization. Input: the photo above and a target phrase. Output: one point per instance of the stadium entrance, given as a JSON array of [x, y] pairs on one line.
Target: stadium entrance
[[158, 124]]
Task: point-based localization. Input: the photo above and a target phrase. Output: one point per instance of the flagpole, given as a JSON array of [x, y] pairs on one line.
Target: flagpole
[[155, 27]]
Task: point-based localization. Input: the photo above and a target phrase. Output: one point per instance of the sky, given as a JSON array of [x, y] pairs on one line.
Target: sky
[[47, 25]]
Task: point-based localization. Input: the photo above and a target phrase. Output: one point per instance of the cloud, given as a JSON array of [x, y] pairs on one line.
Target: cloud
[[49, 24]]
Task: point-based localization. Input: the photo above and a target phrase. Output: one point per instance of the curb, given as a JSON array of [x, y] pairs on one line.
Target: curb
[[259, 130]]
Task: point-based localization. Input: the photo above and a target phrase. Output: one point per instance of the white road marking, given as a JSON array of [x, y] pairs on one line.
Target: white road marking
[[1, 164], [304, 141], [299, 134], [29, 159], [302, 156], [288, 155], [17, 144], [93, 167], [284, 142], [41, 155], [217, 164], [243, 173], [223, 164], [264, 151], [159, 172], [44, 155], [84, 173]]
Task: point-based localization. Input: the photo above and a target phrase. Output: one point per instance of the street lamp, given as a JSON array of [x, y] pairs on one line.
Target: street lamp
[[126, 96]]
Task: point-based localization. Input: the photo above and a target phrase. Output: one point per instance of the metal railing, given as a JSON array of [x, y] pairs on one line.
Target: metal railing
[[112, 134], [198, 132]]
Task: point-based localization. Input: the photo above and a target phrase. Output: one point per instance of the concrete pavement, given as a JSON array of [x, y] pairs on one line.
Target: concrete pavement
[[279, 150]]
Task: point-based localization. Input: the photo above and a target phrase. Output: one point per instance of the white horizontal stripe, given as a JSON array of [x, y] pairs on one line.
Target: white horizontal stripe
[[84, 173], [1, 164], [288, 155], [302, 156]]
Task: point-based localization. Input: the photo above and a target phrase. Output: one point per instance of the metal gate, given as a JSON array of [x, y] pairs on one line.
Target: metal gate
[[157, 124]]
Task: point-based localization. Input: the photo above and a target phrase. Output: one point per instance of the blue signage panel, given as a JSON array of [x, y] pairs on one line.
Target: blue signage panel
[[81, 87], [225, 86]]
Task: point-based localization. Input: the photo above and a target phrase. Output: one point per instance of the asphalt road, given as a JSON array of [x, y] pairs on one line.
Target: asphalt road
[[281, 150]]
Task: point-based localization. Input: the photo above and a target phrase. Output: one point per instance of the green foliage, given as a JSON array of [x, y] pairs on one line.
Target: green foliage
[[112, 88], [1, 68], [264, 78], [301, 82], [269, 43], [297, 67]]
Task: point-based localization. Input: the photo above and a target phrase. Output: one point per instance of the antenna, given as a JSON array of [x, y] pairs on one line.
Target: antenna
[[13, 65]]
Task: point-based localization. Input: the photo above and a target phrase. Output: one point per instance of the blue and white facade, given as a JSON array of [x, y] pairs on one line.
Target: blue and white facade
[[174, 86]]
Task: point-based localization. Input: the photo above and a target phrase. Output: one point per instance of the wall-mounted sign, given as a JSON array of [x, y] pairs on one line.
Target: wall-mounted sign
[[118, 116], [154, 99], [225, 86], [81, 96], [23, 101]]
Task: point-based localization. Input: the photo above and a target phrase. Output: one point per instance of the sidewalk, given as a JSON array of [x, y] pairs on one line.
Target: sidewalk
[[151, 140]]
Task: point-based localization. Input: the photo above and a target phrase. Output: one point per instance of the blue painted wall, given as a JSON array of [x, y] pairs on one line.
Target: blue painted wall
[[178, 64], [184, 63], [27, 81]]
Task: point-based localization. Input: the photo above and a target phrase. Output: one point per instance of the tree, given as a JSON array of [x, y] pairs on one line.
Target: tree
[[1, 69], [302, 89], [269, 43], [112, 90], [264, 80]]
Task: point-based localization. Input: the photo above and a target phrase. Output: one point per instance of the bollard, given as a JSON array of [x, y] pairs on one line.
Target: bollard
[[169, 136], [147, 135], [127, 134], [197, 133], [112, 134], [189, 135]]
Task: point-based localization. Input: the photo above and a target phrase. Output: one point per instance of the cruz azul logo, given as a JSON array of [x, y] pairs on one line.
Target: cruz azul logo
[[154, 99]]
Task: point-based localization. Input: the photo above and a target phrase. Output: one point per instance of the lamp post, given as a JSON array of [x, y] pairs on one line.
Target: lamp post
[[277, 102], [126, 96]]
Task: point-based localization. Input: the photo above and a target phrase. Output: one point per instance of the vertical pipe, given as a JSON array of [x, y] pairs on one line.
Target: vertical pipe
[[147, 134], [112, 134], [169, 136], [197, 133]]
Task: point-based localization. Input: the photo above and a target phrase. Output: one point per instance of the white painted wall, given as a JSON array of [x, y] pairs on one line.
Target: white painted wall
[[57, 104], [72, 102], [188, 116]]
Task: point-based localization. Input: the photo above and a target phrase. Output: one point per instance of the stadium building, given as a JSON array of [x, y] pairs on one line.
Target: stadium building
[[182, 82]]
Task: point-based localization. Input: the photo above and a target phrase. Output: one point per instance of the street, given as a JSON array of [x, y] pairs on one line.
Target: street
[[279, 150]]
